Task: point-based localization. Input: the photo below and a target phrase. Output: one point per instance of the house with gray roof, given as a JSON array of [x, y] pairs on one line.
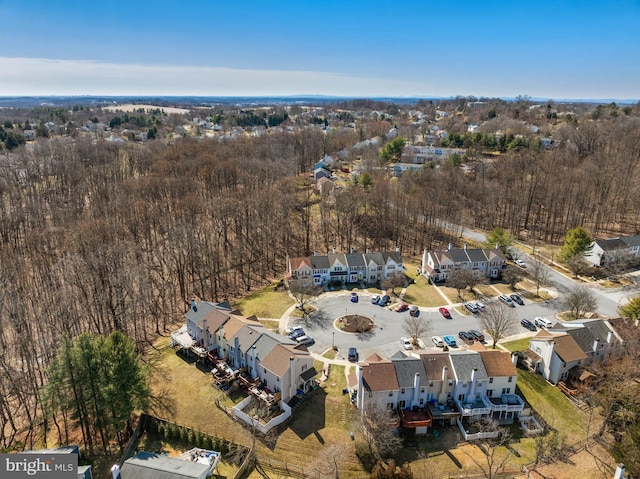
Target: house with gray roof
[[345, 268], [148, 465], [613, 250], [596, 337], [438, 265]]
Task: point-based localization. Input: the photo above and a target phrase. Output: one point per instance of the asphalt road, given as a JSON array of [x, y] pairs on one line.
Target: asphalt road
[[384, 339]]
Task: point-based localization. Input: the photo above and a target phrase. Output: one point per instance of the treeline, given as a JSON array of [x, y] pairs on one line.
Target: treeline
[[100, 237]]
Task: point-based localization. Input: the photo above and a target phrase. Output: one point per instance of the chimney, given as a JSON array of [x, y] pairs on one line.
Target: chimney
[[368, 251], [497, 246], [472, 390], [334, 251], [596, 343], [292, 379], [360, 393], [514, 359], [397, 249], [351, 250], [609, 337], [205, 335], [416, 389], [465, 247], [193, 305], [620, 470], [315, 253], [450, 247], [115, 471]]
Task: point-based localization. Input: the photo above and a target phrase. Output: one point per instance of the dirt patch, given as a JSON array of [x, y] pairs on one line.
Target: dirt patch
[[355, 323]]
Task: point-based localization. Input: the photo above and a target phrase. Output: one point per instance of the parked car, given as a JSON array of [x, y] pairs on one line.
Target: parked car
[[437, 340], [293, 329], [406, 343], [466, 336], [520, 263], [401, 307], [528, 324], [385, 300], [414, 311], [480, 305], [517, 299], [306, 340], [445, 312], [296, 334], [353, 355], [451, 341], [472, 308], [354, 297], [477, 335], [542, 322], [507, 300], [375, 298]]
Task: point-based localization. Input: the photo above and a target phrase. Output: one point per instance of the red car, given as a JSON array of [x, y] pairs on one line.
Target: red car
[[445, 312], [402, 307]]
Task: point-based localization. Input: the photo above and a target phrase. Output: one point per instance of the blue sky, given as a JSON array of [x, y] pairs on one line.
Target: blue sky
[[562, 49]]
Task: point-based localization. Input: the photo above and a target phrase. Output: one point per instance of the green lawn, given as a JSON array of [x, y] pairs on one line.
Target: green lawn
[[517, 345], [552, 405], [266, 303]]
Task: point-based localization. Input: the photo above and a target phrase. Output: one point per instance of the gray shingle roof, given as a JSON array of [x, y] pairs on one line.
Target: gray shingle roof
[[612, 244], [355, 260], [459, 255], [406, 369], [374, 257], [146, 465], [394, 255], [476, 255], [464, 363], [631, 240], [320, 262], [248, 335], [340, 257]]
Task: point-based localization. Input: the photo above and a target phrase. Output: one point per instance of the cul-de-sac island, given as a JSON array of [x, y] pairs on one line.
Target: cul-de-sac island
[[312, 288]]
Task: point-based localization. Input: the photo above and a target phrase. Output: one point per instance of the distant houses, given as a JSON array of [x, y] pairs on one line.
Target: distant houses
[[613, 250], [344, 268]]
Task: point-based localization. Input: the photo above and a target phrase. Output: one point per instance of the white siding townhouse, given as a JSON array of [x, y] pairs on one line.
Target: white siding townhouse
[[613, 249], [438, 265], [345, 268]]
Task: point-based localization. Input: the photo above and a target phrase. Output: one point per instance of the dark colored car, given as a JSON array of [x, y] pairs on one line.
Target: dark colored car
[[414, 311], [353, 355], [354, 297], [445, 312], [466, 336], [516, 298], [385, 300], [476, 335], [528, 324]]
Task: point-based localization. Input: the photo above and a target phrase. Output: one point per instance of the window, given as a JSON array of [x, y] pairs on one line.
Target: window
[[389, 405], [451, 382], [421, 390], [430, 385], [402, 391], [506, 390], [304, 366], [490, 380], [390, 393], [460, 397], [401, 404], [277, 379], [264, 370], [421, 402], [510, 379], [490, 393]]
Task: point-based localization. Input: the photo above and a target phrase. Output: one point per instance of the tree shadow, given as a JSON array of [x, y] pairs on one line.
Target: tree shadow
[[309, 416]]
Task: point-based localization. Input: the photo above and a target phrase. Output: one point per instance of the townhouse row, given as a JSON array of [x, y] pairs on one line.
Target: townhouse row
[[438, 265], [344, 267], [213, 331], [440, 387]]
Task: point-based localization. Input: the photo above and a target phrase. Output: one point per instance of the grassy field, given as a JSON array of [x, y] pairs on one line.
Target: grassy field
[[271, 324], [266, 303], [552, 405], [452, 294]]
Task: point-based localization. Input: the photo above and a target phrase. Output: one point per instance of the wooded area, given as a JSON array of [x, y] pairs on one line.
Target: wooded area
[[99, 237]]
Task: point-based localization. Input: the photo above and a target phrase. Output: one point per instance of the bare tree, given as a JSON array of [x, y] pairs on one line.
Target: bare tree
[[328, 461], [616, 262], [303, 293], [497, 320], [416, 328], [577, 264], [579, 301], [495, 454], [460, 279], [512, 276], [396, 280], [379, 429], [538, 273]]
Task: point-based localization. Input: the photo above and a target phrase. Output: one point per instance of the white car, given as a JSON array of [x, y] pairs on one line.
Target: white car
[[480, 305], [520, 263], [438, 341], [406, 343]]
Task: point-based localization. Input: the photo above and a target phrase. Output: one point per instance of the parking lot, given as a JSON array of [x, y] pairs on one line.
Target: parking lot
[[384, 339]]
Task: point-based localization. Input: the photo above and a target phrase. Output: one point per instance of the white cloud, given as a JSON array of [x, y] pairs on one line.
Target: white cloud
[[40, 77]]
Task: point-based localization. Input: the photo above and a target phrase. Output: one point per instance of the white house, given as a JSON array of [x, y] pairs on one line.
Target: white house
[[613, 250], [377, 384], [555, 355]]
